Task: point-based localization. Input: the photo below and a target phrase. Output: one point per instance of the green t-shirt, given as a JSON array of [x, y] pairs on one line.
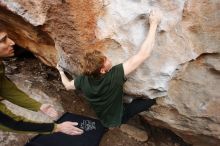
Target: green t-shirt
[[105, 94]]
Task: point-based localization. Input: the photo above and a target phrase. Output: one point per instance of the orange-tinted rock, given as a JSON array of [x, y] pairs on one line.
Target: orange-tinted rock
[[28, 36]]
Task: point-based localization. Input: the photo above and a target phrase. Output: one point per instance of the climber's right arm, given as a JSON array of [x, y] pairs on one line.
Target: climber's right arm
[[146, 48], [69, 84]]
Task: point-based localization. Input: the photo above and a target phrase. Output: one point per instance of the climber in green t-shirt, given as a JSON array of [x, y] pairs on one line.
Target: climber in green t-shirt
[[102, 84], [8, 91]]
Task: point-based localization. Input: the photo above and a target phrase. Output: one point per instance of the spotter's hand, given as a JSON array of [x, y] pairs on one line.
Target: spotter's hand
[[69, 128]]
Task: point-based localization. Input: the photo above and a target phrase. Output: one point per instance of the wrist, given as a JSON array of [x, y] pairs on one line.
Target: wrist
[[40, 107], [61, 71], [56, 128], [153, 24], [37, 106], [153, 28]]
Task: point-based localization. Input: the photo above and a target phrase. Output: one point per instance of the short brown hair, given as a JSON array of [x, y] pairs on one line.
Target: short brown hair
[[93, 61], [2, 28]]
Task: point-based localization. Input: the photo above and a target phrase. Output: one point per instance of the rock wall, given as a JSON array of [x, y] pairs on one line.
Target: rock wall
[[28, 36], [192, 105], [182, 72]]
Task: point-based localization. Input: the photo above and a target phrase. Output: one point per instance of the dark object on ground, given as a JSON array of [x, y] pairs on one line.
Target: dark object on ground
[[93, 132]]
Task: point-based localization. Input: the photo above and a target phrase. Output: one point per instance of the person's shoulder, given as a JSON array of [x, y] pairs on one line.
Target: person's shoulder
[[118, 71], [80, 76], [120, 65], [78, 81]]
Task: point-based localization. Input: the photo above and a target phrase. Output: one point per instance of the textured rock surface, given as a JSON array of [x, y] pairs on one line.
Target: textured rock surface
[[176, 71], [192, 105], [70, 25]]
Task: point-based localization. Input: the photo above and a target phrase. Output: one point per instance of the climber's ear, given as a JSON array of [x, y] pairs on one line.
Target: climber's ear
[[102, 70], [3, 37]]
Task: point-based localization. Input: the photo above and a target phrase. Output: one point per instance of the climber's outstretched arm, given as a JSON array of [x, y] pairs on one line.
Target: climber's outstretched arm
[[69, 85], [147, 46]]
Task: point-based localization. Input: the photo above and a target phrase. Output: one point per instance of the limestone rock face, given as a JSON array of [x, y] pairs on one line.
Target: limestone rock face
[[192, 105], [183, 69]]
